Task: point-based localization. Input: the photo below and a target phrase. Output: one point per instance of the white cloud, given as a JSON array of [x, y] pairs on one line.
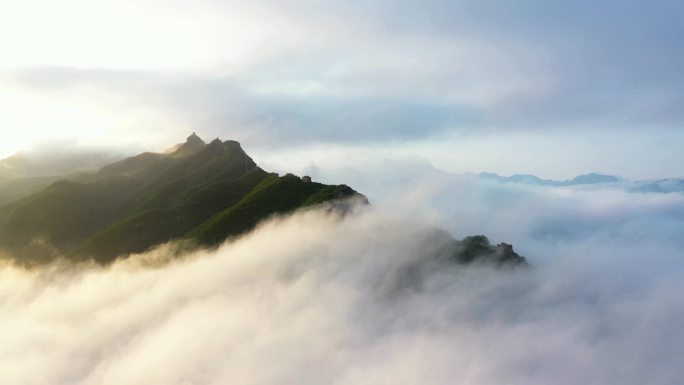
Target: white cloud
[[319, 299]]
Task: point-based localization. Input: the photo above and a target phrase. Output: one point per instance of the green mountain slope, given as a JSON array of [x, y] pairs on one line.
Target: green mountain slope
[[200, 193], [204, 191], [275, 195], [158, 225], [12, 189]]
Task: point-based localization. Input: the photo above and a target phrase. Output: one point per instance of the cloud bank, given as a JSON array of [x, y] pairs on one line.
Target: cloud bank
[[315, 298]]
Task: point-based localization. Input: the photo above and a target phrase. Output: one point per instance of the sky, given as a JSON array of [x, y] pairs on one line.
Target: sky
[[399, 100], [553, 88]]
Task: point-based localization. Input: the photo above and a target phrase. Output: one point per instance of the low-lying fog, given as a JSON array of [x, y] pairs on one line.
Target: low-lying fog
[[318, 299]]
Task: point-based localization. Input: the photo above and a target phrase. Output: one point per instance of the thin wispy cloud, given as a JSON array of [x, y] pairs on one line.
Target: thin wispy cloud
[[386, 72]]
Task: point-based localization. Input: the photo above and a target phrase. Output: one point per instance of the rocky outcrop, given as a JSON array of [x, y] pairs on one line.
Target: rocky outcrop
[[192, 145]]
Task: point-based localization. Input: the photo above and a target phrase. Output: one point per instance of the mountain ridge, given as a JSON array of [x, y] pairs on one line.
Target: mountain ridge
[[663, 185], [584, 179], [133, 204], [198, 193]]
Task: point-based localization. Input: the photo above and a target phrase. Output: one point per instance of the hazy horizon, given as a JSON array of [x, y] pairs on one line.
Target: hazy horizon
[[300, 157]]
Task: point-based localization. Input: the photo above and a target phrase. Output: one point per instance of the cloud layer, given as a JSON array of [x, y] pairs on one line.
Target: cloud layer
[[315, 298]]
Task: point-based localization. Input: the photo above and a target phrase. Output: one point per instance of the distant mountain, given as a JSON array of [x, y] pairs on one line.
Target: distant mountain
[[56, 162], [586, 179], [668, 185], [11, 188], [26, 173], [663, 186]]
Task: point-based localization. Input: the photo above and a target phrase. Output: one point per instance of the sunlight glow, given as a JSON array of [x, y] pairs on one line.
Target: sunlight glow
[[130, 34], [31, 117]]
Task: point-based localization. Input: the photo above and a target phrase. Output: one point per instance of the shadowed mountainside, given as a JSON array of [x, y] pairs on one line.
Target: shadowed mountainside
[[25, 173], [205, 191], [200, 192]]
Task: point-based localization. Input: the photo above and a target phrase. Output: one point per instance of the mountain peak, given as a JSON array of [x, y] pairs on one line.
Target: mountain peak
[[194, 139], [593, 178], [193, 143]]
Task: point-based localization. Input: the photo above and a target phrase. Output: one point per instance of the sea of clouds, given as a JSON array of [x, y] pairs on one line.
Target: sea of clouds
[[316, 298]]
